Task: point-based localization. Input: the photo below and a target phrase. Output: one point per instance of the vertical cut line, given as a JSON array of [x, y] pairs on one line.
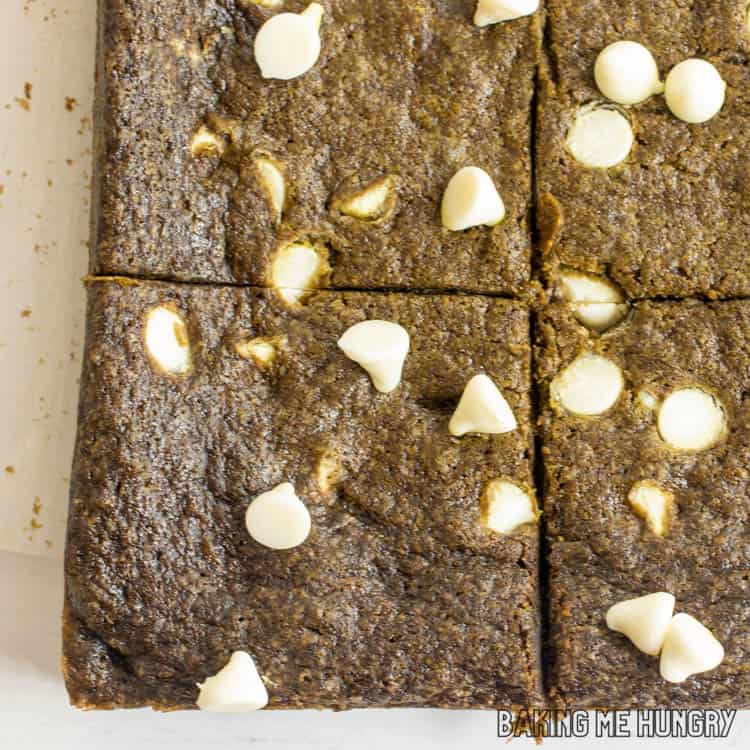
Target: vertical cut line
[[536, 396]]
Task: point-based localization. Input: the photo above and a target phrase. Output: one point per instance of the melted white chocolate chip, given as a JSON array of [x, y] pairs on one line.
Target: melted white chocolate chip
[[589, 386], [644, 620], [689, 648], [692, 420], [496, 11], [506, 507], [380, 348], [206, 142], [288, 45], [587, 287], [297, 270], [272, 178], [273, 4], [595, 302], [237, 688], [600, 137], [647, 400], [652, 503], [167, 340], [482, 409], [263, 350], [371, 203], [327, 472], [626, 73], [278, 519]]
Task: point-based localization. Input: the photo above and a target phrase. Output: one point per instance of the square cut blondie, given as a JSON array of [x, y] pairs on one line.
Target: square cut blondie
[[195, 400], [207, 171], [670, 218], [646, 449]]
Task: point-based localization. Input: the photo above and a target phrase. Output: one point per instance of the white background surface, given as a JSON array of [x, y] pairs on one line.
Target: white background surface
[[49, 43]]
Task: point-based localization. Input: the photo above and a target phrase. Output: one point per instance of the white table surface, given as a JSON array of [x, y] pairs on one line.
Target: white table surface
[[44, 173]]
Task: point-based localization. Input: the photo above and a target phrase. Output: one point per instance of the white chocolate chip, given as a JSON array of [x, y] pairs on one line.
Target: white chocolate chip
[[595, 302], [644, 620], [689, 648], [626, 73], [288, 45], [695, 91], [167, 340], [589, 386], [692, 420], [235, 689], [298, 269], [600, 316], [328, 472], [587, 287], [178, 45], [263, 350], [653, 504], [273, 180], [600, 137], [471, 200], [195, 55], [206, 142], [380, 348], [506, 506], [482, 409], [278, 519], [264, 3], [647, 400], [371, 203], [496, 11]]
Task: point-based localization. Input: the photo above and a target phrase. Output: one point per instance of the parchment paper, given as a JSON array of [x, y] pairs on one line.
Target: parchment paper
[[46, 86]]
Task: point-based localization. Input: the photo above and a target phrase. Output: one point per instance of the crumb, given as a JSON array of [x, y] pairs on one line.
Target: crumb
[[2, 188], [10, 469], [27, 90], [69, 162], [26, 313], [49, 183], [70, 103], [37, 506], [23, 103], [36, 525]]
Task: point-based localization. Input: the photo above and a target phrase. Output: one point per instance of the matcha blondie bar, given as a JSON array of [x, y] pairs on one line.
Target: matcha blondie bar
[[646, 455], [207, 171], [417, 582], [667, 215]]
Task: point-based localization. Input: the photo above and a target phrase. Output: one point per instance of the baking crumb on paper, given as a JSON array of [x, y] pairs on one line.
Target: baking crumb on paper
[[10, 469]]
